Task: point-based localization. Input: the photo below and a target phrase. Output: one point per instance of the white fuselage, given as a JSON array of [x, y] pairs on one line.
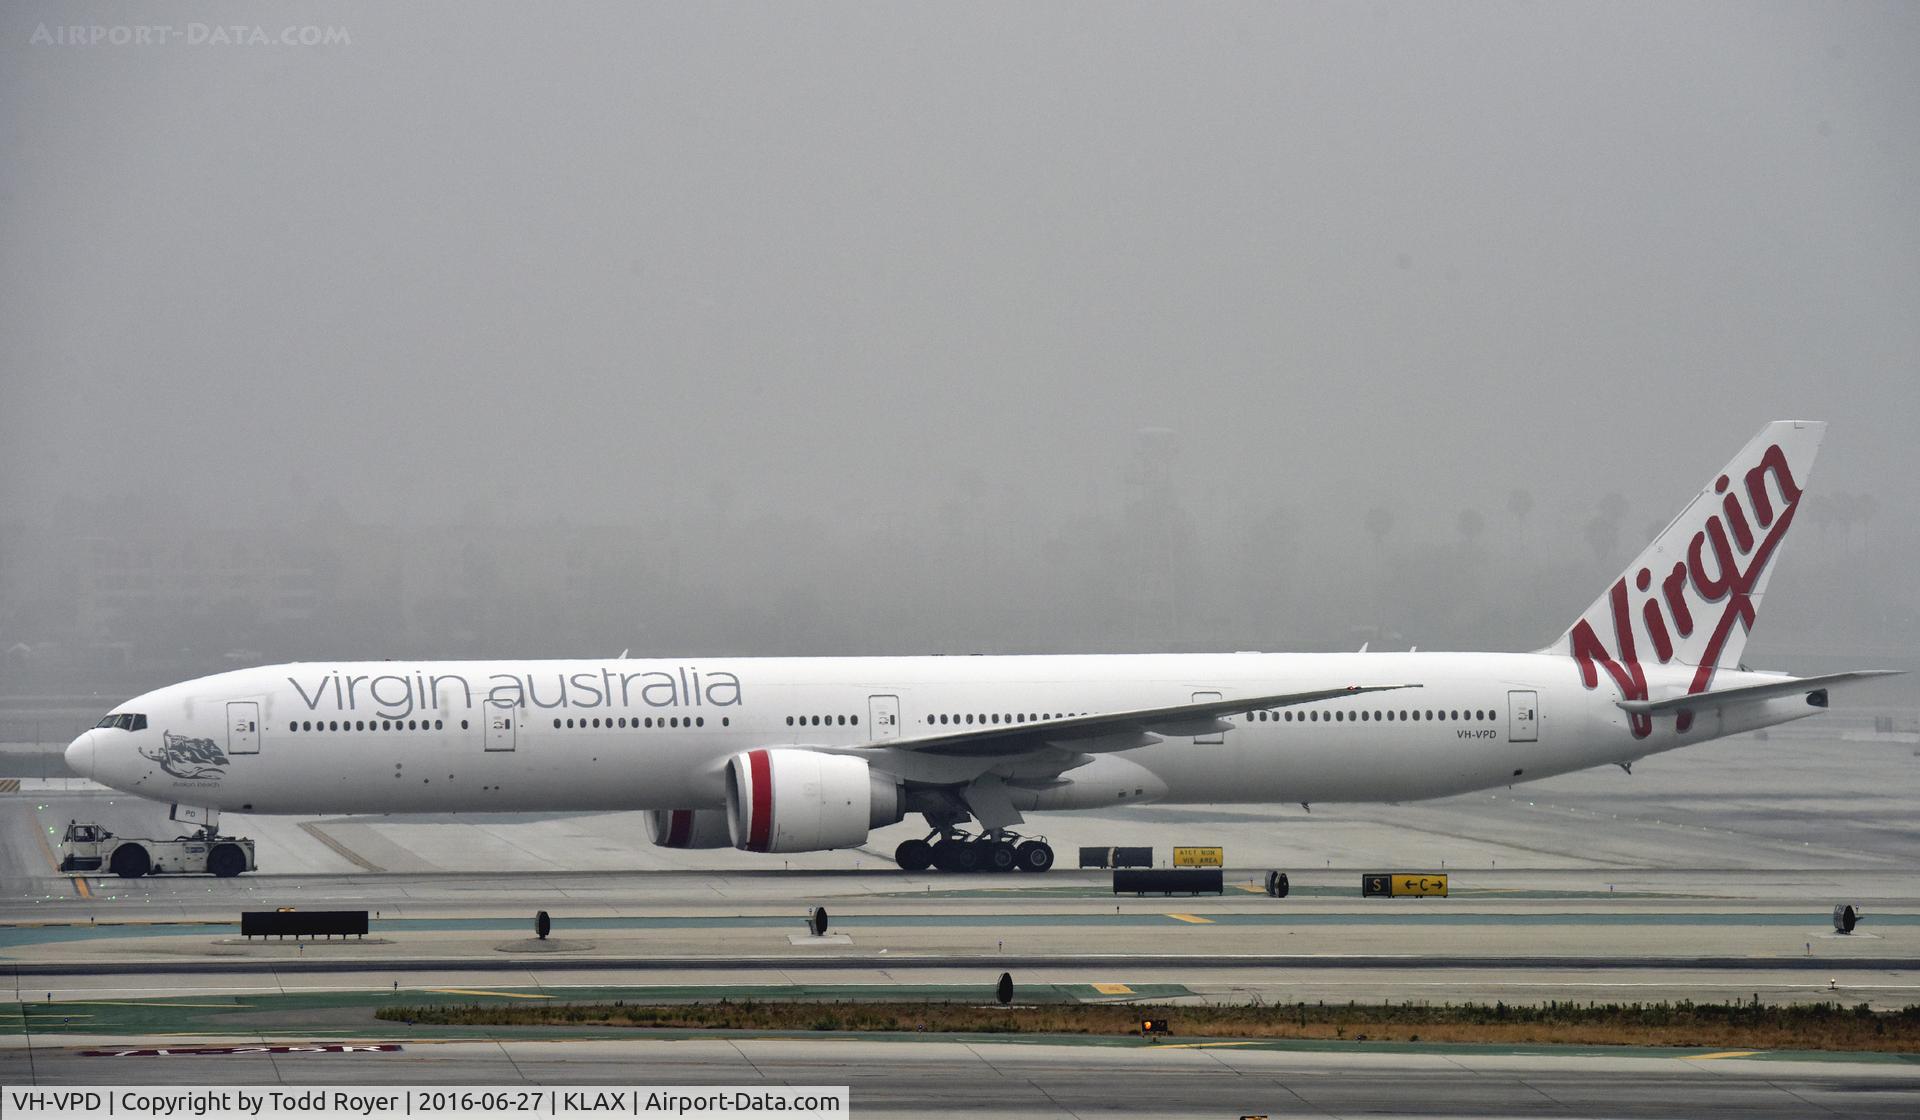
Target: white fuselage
[[375, 737]]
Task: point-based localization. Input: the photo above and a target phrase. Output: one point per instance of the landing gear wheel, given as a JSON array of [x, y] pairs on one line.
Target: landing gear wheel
[[913, 855], [1034, 855], [956, 855], [130, 861], [226, 861], [1000, 856]]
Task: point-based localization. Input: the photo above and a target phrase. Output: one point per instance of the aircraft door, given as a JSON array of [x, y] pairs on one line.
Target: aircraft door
[[1523, 715], [243, 727], [883, 717], [1216, 737], [502, 734]]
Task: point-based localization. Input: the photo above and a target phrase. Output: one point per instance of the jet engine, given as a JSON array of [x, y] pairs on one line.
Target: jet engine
[[688, 828], [806, 801]]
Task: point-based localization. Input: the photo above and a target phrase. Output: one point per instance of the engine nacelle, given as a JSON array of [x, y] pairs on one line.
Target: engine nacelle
[[689, 828], [806, 801]]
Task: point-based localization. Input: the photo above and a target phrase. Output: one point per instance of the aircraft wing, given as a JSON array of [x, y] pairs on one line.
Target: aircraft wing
[[1112, 731], [1786, 686]]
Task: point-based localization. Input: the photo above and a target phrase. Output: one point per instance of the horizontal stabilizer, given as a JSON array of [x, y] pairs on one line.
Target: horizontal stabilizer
[[1786, 686]]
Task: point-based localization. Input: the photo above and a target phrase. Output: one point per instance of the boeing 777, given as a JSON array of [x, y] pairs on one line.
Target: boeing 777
[[808, 754]]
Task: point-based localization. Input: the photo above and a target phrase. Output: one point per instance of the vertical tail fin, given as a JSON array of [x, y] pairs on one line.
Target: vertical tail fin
[[1692, 597]]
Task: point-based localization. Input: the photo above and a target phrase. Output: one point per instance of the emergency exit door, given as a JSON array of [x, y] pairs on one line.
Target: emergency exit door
[[243, 727], [501, 732], [1523, 715], [883, 717]]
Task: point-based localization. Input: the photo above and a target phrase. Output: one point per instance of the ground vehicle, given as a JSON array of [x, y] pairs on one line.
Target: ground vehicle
[[89, 848]]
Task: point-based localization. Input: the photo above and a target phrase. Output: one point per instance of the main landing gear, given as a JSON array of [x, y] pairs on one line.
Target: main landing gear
[[955, 851]]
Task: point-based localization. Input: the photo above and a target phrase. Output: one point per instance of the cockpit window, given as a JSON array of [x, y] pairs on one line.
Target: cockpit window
[[124, 721]]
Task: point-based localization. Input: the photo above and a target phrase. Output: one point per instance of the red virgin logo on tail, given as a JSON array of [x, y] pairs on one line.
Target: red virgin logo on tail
[[1725, 560]]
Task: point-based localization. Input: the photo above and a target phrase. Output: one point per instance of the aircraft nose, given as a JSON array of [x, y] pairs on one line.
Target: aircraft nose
[[80, 755]]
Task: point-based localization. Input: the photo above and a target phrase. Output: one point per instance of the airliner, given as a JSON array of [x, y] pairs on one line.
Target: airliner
[[811, 754]]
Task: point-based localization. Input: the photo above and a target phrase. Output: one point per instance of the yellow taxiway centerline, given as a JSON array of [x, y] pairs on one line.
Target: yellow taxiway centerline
[[479, 992], [46, 849]]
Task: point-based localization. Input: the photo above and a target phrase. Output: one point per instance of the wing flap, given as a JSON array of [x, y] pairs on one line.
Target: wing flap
[[1117, 731]]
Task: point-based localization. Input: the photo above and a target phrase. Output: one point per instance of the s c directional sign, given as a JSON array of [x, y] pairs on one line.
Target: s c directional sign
[[1394, 884]]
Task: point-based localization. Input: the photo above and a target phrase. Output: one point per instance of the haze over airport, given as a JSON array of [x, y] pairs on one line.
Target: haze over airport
[[735, 329]]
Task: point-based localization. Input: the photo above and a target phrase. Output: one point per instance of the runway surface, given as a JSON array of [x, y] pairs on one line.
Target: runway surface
[[917, 1079]]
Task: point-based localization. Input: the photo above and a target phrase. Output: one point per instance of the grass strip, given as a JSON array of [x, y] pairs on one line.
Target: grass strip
[[1731, 1026]]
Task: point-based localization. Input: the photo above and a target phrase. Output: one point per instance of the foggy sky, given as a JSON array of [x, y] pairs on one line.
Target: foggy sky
[[849, 315]]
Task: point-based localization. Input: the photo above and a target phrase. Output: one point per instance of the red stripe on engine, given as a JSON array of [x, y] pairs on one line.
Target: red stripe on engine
[[679, 828], [760, 823]]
